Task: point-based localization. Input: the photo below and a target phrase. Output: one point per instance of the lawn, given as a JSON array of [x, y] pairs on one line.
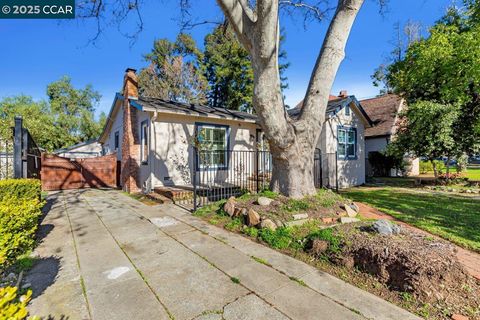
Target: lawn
[[454, 218], [473, 174]]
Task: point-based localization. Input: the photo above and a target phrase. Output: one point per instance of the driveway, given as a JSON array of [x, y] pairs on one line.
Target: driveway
[[104, 255]]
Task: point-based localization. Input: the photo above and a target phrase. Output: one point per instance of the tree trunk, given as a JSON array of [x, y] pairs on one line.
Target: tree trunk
[[435, 171], [447, 170]]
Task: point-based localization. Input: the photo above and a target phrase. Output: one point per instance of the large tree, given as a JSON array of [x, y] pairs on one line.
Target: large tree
[[257, 26], [174, 72]]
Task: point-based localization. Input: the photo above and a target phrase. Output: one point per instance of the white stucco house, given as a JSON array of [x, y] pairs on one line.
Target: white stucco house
[[158, 149], [342, 142], [87, 149], [383, 111]]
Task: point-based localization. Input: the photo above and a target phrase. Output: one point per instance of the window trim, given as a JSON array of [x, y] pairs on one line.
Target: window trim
[[347, 110], [143, 159], [198, 126], [347, 129]]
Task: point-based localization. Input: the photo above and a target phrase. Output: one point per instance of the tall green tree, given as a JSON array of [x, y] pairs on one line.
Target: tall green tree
[[73, 111], [174, 71], [425, 130], [228, 69], [444, 68]]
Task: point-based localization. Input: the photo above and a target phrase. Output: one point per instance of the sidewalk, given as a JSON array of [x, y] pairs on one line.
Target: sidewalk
[[119, 259]]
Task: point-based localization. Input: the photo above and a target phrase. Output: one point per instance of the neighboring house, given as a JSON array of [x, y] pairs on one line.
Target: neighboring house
[[87, 149], [383, 111], [342, 142]]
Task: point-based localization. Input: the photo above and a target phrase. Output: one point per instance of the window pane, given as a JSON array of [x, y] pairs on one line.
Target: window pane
[[351, 150], [341, 150], [351, 136], [213, 141], [341, 136]]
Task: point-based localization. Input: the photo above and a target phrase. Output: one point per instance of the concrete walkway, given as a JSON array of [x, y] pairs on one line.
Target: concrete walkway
[[105, 255]]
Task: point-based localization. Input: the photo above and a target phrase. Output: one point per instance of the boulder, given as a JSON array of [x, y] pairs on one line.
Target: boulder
[[268, 224], [354, 206], [264, 201], [350, 212], [279, 223], [229, 206], [385, 227], [252, 218], [237, 212], [348, 220], [297, 222], [300, 216]]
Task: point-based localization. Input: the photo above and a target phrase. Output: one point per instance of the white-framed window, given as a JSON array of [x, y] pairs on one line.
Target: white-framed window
[[213, 146], [347, 143], [144, 149]]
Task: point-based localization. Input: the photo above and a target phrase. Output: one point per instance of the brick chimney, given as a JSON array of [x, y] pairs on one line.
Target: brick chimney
[[343, 94], [131, 144]]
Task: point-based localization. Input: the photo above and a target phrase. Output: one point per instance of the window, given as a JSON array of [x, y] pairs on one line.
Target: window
[[117, 140], [347, 143], [347, 110], [213, 145], [144, 142]]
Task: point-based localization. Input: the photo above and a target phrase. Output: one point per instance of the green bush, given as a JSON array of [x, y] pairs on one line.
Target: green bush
[[27, 189], [427, 167], [18, 223]]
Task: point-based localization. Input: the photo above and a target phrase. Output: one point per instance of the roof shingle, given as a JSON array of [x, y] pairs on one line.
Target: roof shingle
[[383, 111]]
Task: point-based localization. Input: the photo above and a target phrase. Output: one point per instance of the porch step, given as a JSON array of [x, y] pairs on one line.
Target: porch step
[[174, 194], [159, 198]]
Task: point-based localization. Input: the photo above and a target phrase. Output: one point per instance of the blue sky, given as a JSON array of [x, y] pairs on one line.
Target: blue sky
[[37, 52]]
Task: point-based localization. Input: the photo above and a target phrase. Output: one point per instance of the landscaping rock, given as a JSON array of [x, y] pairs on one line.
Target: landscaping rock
[[469, 191], [264, 201], [319, 247], [459, 317], [355, 208], [279, 223], [348, 220], [229, 206], [385, 227], [237, 212], [300, 216], [329, 220], [268, 224], [11, 276], [26, 285], [253, 218], [297, 222], [350, 212]]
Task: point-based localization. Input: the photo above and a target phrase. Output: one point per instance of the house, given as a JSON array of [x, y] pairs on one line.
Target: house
[[383, 111], [165, 144], [154, 140], [88, 149], [341, 146]]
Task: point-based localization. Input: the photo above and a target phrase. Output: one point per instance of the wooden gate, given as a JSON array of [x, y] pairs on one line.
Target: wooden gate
[[60, 173]]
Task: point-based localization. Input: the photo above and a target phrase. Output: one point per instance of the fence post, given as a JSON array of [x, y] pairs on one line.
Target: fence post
[[336, 171], [320, 163], [257, 179], [195, 155], [17, 148]]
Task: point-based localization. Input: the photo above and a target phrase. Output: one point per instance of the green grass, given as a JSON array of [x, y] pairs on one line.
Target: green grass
[[473, 174], [235, 280], [454, 218]]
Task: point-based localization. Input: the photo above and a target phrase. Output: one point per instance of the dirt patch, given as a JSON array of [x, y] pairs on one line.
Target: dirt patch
[[417, 266]]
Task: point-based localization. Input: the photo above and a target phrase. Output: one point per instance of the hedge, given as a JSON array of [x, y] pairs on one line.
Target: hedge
[[20, 209], [27, 189]]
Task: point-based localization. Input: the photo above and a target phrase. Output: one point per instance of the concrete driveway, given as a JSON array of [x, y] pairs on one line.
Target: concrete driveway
[[104, 255]]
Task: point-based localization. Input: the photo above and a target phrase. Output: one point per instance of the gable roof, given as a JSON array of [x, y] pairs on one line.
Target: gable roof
[[335, 104], [383, 111], [78, 145]]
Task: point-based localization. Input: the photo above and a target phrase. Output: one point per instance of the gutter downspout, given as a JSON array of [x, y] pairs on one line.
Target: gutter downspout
[[153, 149]]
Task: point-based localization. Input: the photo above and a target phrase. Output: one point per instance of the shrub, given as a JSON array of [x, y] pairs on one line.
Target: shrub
[[27, 189], [18, 223], [13, 308], [251, 231]]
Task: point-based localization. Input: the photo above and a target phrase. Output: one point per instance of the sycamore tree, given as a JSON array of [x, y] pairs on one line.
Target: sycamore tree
[[174, 72], [257, 25], [425, 129]]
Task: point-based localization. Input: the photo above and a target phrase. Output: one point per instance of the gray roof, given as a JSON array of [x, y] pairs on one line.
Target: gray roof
[[333, 107], [193, 109]]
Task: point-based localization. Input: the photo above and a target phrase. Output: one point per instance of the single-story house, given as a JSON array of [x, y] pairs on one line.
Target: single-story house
[[342, 142], [154, 140], [88, 149], [383, 111]]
